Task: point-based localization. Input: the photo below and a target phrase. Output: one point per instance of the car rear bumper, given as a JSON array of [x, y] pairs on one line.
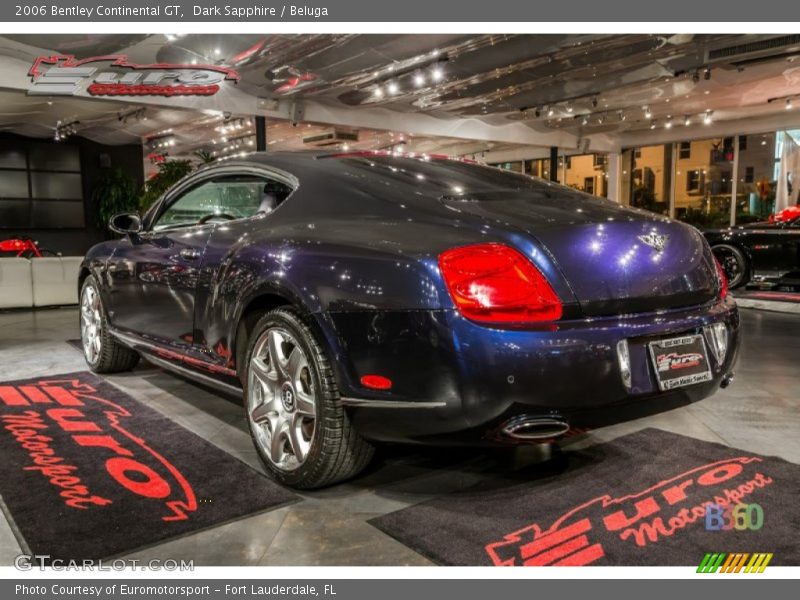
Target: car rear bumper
[[454, 380]]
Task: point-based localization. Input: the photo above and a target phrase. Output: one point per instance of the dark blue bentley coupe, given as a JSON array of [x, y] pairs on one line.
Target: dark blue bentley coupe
[[370, 297]]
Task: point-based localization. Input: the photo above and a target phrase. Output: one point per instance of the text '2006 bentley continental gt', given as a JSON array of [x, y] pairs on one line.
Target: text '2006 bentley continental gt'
[[361, 298]]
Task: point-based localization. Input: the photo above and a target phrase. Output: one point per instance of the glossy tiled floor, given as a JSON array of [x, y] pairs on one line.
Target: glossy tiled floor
[[759, 412]]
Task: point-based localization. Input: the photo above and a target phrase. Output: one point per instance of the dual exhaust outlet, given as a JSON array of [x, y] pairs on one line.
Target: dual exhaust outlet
[[530, 428]]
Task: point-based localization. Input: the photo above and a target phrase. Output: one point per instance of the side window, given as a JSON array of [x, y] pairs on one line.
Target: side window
[[224, 199]]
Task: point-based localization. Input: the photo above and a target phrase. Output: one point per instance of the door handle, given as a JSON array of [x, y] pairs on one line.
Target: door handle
[[189, 253]]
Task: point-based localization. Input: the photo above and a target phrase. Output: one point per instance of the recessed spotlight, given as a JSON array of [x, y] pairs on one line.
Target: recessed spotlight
[[437, 74], [393, 88], [419, 80], [378, 92]]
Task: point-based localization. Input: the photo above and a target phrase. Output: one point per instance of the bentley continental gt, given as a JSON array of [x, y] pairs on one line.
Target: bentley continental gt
[[359, 298]]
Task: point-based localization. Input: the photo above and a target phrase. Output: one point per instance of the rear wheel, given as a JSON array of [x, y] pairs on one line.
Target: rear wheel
[[734, 263], [299, 428], [102, 352]]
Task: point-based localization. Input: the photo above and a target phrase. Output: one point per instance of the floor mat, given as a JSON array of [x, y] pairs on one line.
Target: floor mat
[[639, 500], [86, 471]]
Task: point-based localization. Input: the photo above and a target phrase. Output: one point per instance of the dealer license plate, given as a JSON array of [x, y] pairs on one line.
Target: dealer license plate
[[680, 361]]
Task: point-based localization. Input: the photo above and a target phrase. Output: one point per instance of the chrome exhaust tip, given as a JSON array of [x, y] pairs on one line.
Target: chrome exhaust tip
[[727, 380], [526, 427]]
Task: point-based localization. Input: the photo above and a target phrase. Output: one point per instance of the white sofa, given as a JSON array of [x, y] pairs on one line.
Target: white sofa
[[46, 281], [16, 283]]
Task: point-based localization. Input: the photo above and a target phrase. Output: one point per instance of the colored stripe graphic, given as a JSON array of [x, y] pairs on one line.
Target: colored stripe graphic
[[734, 562]]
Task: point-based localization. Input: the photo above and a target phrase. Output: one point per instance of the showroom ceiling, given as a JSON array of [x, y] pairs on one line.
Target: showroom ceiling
[[585, 85]]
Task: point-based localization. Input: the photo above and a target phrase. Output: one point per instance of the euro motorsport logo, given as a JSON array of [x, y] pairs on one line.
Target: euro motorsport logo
[[734, 562], [115, 75]]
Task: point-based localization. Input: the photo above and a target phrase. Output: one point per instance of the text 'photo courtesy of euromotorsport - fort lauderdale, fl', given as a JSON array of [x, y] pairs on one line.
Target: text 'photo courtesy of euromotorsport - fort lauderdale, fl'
[[173, 11], [390, 298]]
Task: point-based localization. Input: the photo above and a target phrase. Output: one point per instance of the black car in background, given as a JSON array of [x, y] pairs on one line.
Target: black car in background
[[765, 250]]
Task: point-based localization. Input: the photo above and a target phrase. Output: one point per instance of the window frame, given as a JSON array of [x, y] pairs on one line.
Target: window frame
[[208, 175]]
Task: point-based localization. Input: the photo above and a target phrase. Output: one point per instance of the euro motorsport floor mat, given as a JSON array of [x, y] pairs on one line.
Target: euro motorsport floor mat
[[86, 471], [639, 500]]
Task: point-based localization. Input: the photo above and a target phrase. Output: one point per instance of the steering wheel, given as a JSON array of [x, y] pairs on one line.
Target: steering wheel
[[207, 218]]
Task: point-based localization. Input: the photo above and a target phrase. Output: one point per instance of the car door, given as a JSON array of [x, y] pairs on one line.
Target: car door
[[153, 276], [250, 196]]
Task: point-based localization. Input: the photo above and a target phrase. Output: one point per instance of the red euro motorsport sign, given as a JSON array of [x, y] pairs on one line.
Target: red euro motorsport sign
[[115, 75], [608, 526], [66, 405]]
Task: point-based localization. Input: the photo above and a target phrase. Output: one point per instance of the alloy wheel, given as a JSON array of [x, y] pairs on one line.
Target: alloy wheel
[[281, 401], [91, 324], [731, 263]]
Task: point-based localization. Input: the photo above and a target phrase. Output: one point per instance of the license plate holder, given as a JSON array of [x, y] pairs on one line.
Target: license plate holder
[[680, 361]]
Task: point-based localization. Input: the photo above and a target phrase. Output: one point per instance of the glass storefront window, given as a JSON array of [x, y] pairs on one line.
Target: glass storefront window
[[703, 181], [645, 177], [756, 178]]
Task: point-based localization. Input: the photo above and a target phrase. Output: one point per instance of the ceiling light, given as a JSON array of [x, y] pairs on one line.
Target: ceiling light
[[653, 125], [437, 74], [707, 118], [585, 121], [217, 51], [594, 102], [378, 92], [647, 113], [622, 116], [687, 121], [550, 112], [788, 104], [668, 124], [419, 80], [569, 108], [707, 73], [393, 88]]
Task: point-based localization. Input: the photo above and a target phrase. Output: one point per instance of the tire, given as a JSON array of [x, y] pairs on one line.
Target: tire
[[734, 263], [102, 352], [297, 423]]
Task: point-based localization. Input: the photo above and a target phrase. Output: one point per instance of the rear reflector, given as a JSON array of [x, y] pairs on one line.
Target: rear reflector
[[376, 382], [496, 284], [723, 280]]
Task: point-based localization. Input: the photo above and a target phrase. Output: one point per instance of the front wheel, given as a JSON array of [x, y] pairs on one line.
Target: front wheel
[[102, 352], [298, 425], [734, 263]]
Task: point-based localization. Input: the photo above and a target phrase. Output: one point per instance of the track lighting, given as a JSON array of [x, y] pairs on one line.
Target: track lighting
[[653, 125], [687, 121], [668, 124], [594, 102], [788, 104], [647, 113], [550, 112], [621, 115], [707, 118]]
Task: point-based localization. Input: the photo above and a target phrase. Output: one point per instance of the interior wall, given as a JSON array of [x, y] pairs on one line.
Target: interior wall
[[76, 241]]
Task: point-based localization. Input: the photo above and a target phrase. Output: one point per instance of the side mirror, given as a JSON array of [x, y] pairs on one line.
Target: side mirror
[[125, 223]]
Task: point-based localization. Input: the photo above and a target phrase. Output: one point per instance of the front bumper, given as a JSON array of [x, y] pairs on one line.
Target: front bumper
[[454, 380]]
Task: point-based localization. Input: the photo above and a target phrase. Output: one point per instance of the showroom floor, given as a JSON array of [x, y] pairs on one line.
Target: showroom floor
[[760, 412]]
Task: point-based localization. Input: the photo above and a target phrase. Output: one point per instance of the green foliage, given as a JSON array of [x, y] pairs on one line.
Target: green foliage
[[168, 174], [204, 156], [114, 192]]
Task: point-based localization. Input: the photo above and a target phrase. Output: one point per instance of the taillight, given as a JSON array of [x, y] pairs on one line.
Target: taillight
[[495, 283], [723, 280]]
